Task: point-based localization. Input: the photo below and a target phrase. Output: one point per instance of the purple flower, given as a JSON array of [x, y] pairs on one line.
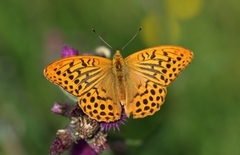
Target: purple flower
[[82, 148], [63, 109], [67, 51], [62, 142], [114, 125], [81, 128]]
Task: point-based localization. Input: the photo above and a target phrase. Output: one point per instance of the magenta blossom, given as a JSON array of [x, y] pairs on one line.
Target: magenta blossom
[[115, 125], [67, 51]]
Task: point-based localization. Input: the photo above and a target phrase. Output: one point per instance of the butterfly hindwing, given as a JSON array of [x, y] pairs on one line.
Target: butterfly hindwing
[[101, 102]]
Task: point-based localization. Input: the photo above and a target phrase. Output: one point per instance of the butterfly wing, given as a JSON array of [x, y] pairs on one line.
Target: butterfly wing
[[150, 72], [89, 79], [101, 102]]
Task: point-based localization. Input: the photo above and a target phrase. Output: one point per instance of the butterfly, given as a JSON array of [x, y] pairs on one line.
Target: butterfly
[[136, 85]]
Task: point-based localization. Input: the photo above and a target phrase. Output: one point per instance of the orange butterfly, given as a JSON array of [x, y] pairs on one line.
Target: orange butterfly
[[138, 82]]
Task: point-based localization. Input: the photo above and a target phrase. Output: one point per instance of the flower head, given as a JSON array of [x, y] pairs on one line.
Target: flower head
[[82, 148], [64, 109], [81, 128], [114, 125], [62, 142], [68, 51]]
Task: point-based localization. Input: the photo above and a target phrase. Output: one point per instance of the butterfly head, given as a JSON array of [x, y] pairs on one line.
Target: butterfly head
[[118, 61]]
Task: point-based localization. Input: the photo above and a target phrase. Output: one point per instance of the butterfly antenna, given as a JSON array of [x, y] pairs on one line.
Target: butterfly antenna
[[101, 38], [132, 37]]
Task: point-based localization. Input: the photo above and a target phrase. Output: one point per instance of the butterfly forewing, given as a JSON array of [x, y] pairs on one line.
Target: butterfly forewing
[[79, 74], [160, 64]]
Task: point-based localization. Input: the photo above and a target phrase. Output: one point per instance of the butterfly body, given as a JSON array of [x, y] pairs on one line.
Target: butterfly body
[[136, 84], [119, 74]]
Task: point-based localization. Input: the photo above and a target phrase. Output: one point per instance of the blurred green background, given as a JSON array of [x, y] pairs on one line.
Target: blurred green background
[[201, 114]]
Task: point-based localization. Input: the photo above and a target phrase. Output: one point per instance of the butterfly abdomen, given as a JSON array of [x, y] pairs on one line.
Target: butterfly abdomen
[[119, 71]]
